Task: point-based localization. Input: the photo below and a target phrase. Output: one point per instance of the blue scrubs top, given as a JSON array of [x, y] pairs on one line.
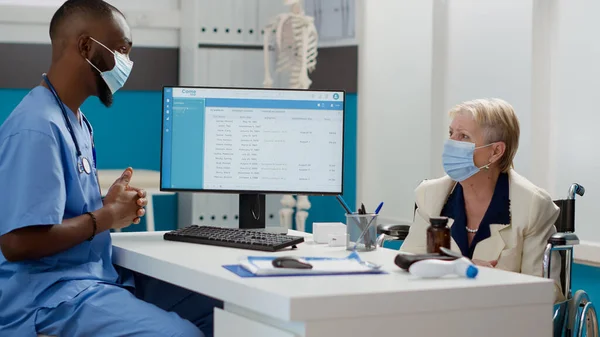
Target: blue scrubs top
[[41, 185], [498, 212]]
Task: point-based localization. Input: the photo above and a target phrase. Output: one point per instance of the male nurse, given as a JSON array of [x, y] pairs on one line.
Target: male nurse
[[56, 275]]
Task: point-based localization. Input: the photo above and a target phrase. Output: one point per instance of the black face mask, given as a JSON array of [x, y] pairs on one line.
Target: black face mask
[[104, 93]]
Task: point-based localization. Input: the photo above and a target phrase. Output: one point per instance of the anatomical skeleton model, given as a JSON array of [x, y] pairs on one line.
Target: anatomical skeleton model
[[296, 42]]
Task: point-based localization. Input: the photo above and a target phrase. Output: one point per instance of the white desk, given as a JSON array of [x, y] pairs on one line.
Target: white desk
[[496, 304]]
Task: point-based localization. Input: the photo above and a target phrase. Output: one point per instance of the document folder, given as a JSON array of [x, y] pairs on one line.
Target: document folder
[[262, 266]]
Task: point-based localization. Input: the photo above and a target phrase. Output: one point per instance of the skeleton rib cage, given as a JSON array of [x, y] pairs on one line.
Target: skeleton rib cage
[[295, 42]]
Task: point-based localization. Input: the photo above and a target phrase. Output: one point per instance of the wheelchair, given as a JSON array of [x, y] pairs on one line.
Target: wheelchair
[[574, 317], [577, 314]]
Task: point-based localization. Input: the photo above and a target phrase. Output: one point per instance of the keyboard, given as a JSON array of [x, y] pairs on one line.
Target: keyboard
[[234, 238]]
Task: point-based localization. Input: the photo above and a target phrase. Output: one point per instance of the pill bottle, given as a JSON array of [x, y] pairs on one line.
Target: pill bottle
[[438, 235]]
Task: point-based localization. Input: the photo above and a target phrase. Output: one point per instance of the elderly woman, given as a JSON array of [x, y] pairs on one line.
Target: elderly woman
[[497, 218]]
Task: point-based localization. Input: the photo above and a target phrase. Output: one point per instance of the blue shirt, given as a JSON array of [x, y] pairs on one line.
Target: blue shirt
[[498, 212], [41, 185]]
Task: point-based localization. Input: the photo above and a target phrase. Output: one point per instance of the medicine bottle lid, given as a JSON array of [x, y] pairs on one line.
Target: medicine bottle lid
[[439, 222]]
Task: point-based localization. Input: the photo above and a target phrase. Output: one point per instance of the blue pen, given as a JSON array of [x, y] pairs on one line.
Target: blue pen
[[344, 204], [379, 208]]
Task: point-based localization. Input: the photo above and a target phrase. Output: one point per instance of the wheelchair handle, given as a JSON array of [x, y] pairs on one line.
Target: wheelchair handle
[[574, 190]]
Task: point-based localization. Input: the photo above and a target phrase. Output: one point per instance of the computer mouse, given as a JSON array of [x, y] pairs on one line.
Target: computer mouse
[[291, 262]]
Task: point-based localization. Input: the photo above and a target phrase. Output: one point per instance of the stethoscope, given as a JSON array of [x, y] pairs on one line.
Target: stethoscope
[[83, 163]]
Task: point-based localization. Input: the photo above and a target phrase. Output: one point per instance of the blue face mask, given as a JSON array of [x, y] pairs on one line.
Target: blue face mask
[[458, 159], [115, 78]]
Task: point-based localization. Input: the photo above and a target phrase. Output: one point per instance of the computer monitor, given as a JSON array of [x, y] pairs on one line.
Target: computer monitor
[[252, 142]]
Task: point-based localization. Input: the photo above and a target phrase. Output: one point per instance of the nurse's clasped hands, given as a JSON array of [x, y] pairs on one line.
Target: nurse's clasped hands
[[126, 203]]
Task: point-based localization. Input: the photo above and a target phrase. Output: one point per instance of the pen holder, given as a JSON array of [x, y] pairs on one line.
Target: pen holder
[[361, 232]]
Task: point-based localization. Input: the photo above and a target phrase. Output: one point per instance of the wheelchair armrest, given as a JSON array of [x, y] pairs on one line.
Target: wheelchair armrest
[[399, 231], [564, 239]]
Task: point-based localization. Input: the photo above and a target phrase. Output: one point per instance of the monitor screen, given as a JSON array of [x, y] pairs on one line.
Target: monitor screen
[[252, 140]]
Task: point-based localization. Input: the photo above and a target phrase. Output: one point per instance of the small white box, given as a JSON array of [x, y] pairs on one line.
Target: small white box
[[322, 230], [337, 240]]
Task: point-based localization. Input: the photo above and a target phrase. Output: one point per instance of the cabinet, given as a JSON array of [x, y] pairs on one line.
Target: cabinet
[[229, 21], [230, 33], [222, 210], [331, 19], [349, 8], [335, 19]]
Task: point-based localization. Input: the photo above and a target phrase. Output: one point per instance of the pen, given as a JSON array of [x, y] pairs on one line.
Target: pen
[[379, 208], [344, 204], [363, 227], [347, 209]]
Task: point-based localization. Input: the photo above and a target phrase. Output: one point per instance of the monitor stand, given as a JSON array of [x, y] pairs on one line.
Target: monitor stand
[[253, 214], [252, 211]]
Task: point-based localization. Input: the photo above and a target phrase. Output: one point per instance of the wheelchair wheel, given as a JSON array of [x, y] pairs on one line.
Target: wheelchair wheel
[[589, 321], [581, 316], [576, 304]]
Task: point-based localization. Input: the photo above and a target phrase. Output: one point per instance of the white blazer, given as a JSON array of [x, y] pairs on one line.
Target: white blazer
[[517, 246]]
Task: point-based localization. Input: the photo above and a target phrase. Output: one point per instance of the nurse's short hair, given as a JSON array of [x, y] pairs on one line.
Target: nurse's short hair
[[74, 8], [499, 123]]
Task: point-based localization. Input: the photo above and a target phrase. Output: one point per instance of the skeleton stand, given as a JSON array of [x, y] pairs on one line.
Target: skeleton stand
[[296, 42]]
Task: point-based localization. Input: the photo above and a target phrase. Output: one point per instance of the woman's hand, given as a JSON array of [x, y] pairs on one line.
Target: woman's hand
[[489, 264]]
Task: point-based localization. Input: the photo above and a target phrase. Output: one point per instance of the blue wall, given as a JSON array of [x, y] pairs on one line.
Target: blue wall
[[128, 134], [327, 209], [588, 279]]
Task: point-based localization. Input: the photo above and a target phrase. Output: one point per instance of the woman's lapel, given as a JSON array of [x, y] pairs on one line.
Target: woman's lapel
[[490, 248], [437, 198]]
